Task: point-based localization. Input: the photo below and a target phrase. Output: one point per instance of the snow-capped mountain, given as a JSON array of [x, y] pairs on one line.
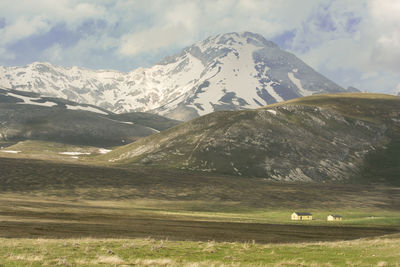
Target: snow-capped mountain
[[224, 72]]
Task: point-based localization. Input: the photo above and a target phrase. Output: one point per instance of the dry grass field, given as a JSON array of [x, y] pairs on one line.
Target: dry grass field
[[70, 214]]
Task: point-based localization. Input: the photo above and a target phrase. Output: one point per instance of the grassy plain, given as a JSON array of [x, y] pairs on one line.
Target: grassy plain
[[53, 199], [381, 251]]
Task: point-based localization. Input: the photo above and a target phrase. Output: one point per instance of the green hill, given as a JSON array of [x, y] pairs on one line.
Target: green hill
[[338, 137]]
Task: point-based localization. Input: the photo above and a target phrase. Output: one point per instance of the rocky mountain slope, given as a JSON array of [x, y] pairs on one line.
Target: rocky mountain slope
[[318, 138], [225, 72], [27, 116]]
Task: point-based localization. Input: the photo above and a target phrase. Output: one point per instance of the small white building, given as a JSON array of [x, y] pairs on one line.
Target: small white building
[[301, 216], [334, 217]]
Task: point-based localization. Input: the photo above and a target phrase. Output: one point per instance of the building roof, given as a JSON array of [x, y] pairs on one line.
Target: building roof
[[303, 213], [335, 215]]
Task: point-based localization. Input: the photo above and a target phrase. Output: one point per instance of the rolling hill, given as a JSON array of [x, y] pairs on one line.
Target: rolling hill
[[28, 116], [338, 137]]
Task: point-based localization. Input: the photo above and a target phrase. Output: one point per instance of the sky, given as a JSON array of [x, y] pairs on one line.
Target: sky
[[352, 42]]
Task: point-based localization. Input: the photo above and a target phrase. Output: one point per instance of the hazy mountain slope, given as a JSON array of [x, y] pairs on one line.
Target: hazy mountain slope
[[154, 121], [309, 139], [27, 116], [30, 98], [224, 72]]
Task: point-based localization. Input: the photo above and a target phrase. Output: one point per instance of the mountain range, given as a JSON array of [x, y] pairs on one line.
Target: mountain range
[[232, 71]]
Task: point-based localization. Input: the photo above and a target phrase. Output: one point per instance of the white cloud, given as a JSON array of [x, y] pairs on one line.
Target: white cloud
[[352, 42], [385, 25], [186, 14], [334, 55], [175, 25], [28, 18], [367, 55], [386, 12], [178, 23], [87, 52], [54, 53], [150, 40], [23, 28], [71, 12], [6, 55]]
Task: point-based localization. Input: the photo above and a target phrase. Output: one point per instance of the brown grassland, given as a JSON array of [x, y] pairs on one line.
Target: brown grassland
[[76, 214]]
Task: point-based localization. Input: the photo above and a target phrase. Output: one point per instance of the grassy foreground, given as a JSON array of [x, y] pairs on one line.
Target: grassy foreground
[[149, 252], [57, 213]]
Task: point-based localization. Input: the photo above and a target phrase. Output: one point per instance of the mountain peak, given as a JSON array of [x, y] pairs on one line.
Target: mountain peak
[[236, 38], [232, 71], [220, 45], [39, 64], [245, 38]]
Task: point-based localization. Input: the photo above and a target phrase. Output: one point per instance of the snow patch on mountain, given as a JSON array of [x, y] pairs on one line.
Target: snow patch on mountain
[[104, 151], [87, 108], [297, 82], [224, 72], [234, 83], [74, 153], [11, 151], [31, 100]]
